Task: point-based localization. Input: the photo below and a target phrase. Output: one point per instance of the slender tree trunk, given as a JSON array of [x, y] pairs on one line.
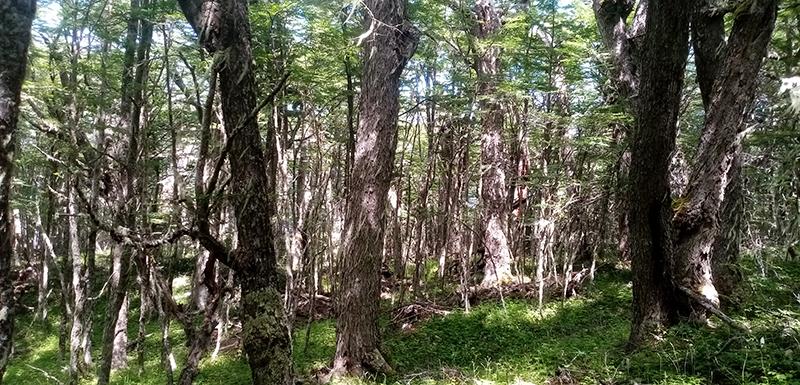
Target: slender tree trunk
[[16, 17], [199, 294], [664, 55], [78, 288], [204, 288], [224, 28], [493, 191], [114, 350], [48, 260], [391, 42]]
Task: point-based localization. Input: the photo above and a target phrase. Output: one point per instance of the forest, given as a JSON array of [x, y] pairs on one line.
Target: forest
[[410, 192]]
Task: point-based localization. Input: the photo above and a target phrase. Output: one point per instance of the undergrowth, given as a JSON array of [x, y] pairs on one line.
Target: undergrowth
[[580, 340]]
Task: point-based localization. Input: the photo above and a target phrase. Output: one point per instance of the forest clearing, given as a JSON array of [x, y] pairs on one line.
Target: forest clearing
[[410, 192]]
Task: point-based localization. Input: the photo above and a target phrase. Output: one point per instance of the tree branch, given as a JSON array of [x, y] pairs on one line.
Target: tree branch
[[706, 304]]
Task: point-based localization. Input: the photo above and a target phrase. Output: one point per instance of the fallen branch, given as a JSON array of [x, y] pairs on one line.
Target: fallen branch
[[713, 309], [45, 374]]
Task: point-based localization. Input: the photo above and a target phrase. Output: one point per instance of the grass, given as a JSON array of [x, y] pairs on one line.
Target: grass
[[581, 339]]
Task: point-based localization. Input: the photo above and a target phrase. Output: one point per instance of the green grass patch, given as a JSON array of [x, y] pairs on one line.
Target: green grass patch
[[582, 338]]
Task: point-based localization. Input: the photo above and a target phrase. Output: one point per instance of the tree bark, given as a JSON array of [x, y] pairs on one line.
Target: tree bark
[[725, 259], [708, 44], [611, 16], [223, 28], [16, 17], [664, 55], [493, 177], [696, 221], [390, 43], [79, 289]]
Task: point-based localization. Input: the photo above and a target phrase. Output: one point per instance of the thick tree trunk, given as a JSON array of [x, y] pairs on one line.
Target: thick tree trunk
[[391, 42], [664, 55], [493, 177], [224, 28], [15, 35], [696, 221]]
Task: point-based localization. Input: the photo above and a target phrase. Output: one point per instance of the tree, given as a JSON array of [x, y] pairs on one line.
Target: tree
[[622, 40], [734, 87], [223, 28], [138, 38], [493, 177], [389, 42], [16, 17], [663, 61]]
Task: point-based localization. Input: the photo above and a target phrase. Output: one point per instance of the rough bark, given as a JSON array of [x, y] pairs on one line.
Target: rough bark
[[708, 44], [16, 17], [697, 218], [611, 16], [79, 290], [390, 42], [624, 42], [117, 300], [223, 28], [664, 56], [725, 260], [494, 192]]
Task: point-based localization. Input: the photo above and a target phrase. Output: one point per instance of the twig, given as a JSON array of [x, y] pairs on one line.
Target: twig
[[267, 100], [229, 143], [45, 374]]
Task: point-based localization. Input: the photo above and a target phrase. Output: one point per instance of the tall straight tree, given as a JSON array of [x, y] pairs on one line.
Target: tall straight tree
[[494, 192], [16, 17], [223, 28], [663, 61], [390, 41], [138, 37]]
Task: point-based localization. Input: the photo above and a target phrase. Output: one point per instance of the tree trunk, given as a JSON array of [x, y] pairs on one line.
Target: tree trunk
[[725, 260], [224, 28], [391, 42], [493, 177], [664, 55], [118, 287], [708, 44], [133, 82], [611, 16], [78, 289], [696, 221], [15, 35]]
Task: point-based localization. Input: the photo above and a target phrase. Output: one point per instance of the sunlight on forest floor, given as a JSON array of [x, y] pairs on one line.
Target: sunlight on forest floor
[[578, 341]]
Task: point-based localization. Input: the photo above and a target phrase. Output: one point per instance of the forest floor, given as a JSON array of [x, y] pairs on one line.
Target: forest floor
[[576, 341]]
